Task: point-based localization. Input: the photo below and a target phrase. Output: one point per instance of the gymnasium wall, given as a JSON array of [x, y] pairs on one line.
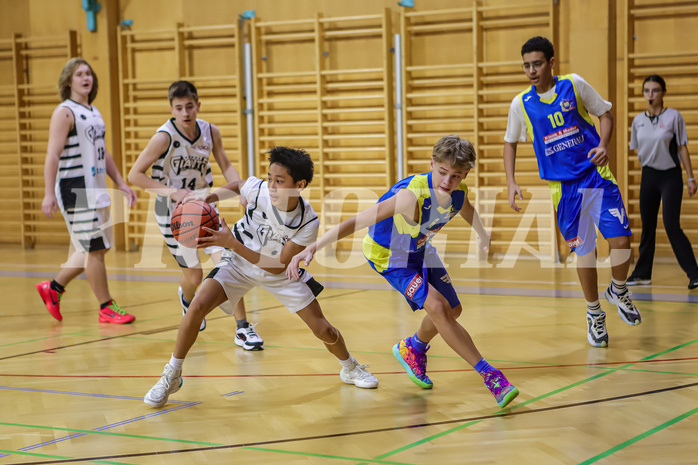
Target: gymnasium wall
[[343, 92]]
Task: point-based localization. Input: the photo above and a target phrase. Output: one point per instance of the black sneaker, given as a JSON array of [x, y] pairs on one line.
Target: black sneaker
[[692, 284], [633, 281], [596, 334]]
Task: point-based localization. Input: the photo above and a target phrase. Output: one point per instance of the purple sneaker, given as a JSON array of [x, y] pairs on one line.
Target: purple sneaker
[[414, 363], [498, 384]]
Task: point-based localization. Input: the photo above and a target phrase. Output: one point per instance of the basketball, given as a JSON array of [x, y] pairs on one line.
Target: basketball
[[188, 220]]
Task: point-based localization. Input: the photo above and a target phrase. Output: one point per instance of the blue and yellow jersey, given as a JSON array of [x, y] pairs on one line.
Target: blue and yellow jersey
[[561, 130], [389, 243]]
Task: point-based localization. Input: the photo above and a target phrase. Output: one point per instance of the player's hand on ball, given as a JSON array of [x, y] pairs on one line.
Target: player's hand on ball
[[221, 237], [180, 196]]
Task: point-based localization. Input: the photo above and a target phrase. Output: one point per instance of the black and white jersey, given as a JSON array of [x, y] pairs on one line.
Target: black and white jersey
[[82, 169], [266, 229], [185, 164]]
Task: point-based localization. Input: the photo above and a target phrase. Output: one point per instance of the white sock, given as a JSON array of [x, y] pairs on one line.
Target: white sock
[[594, 307], [618, 286], [176, 363], [348, 363]]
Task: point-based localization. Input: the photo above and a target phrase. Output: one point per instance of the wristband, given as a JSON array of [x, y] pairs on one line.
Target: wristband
[[691, 179]]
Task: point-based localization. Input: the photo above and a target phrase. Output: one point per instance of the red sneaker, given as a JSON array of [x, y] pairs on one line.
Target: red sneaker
[[51, 298], [112, 313]]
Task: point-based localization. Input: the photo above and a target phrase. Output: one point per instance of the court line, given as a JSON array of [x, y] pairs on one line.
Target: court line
[[543, 396], [602, 365], [84, 394], [639, 437], [64, 458], [156, 330], [470, 421]]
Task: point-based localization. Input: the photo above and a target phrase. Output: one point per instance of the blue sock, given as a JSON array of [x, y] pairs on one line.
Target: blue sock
[[482, 366], [417, 344]]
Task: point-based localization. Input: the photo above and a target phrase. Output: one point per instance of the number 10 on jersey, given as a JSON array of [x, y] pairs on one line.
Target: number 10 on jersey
[[556, 119]]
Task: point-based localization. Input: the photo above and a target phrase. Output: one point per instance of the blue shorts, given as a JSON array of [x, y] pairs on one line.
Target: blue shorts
[[413, 279], [593, 200]]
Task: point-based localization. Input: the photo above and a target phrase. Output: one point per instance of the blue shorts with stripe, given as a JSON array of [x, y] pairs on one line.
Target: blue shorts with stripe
[[586, 203], [413, 279]]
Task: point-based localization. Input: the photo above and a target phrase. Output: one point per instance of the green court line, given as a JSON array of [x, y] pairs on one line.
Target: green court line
[[639, 437], [107, 433], [326, 456], [543, 396], [61, 457]]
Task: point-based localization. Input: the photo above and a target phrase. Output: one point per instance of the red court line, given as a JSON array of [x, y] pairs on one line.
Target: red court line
[[291, 375]]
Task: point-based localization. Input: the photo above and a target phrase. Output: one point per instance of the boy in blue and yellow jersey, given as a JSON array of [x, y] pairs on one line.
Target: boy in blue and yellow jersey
[[398, 247], [573, 158]]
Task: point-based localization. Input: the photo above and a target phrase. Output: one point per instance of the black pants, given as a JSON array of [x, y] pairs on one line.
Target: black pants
[[666, 187]]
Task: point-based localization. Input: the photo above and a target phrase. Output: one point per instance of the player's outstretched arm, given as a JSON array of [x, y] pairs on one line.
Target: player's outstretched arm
[[158, 145], [61, 122], [471, 216], [404, 202], [509, 168]]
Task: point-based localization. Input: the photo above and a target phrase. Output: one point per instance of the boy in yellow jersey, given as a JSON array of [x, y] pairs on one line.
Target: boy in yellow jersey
[[398, 247], [554, 114]]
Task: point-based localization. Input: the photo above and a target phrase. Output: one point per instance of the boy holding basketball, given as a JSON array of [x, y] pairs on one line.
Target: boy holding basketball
[[398, 247], [178, 159], [278, 224]]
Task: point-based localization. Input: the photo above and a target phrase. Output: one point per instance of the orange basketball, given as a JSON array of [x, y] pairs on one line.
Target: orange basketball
[[188, 220]]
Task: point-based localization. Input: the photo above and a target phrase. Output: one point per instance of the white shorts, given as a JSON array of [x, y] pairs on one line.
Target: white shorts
[[237, 276], [90, 229], [186, 257]]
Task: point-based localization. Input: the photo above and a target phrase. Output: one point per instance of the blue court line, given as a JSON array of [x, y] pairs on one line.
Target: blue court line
[[183, 405], [232, 393], [84, 394]]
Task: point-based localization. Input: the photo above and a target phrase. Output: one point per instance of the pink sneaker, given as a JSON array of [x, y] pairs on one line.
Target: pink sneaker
[[51, 298], [414, 363], [498, 384], [112, 313]]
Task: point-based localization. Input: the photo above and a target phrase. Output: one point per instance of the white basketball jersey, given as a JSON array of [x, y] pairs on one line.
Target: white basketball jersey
[[185, 164], [265, 229], [82, 168]]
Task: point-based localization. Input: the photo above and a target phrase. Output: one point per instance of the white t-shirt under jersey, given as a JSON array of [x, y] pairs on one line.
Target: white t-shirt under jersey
[[265, 229], [593, 102]]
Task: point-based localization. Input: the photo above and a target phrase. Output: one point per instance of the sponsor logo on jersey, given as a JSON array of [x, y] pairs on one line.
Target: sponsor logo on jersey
[[566, 144], [568, 105], [528, 97], [95, 133], [562, 133], [98, 170], [181, 163], [267, 233], [427, 237], [83, 116], [446, 278], [204, 147], [576, 242], [413, 286], [176, 144], [618, 213]]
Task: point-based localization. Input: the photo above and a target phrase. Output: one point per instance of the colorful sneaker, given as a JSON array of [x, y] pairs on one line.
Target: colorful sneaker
[[51, 298], [112, 313], [169, 383], [248, 339], [596, 330], [414, 363], [359, 376], [185, 307], [498, 384], [626, 309], [633, 281]]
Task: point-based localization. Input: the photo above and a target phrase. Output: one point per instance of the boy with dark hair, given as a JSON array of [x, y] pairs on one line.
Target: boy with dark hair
[[573, 158], [398, 247], [278, 224], [178, 158]]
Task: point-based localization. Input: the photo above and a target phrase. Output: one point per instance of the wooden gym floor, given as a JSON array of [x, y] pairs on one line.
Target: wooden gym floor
[[72, 391]]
